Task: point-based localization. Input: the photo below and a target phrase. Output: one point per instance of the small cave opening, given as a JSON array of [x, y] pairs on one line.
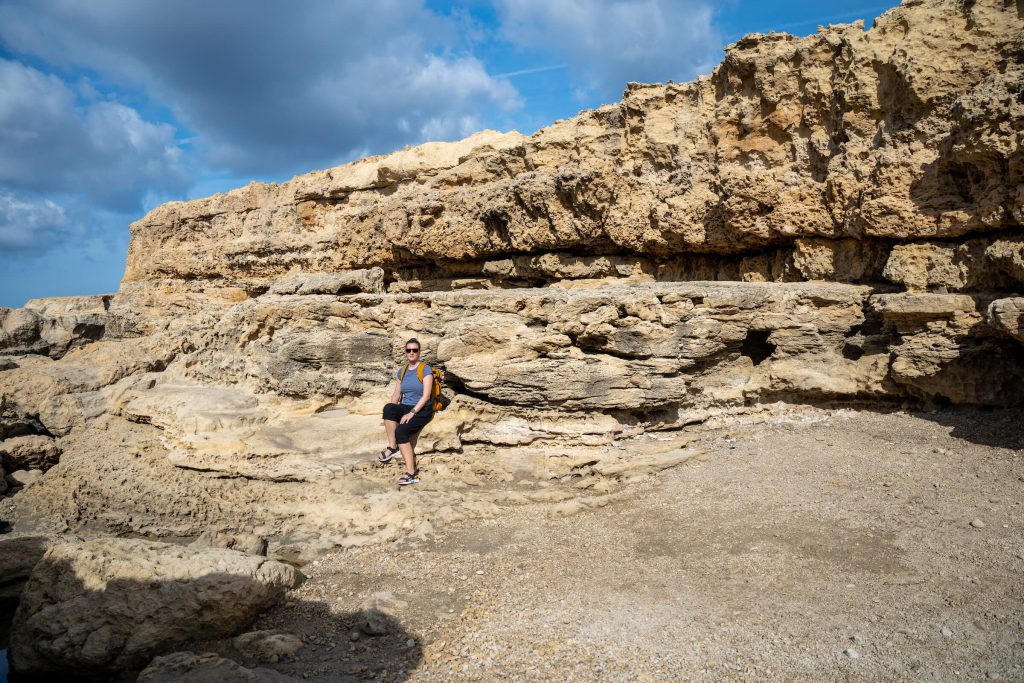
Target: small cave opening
[[756, 346], [852, 351]]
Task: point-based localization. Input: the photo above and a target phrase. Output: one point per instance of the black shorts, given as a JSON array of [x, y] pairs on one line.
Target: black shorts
[[395, 411]]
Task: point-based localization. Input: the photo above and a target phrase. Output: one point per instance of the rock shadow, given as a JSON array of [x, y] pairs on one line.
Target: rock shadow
[[330, 653], [87, 630], [999, 427]]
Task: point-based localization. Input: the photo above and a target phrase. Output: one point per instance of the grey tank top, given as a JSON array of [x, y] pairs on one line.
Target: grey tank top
[[412, 388]]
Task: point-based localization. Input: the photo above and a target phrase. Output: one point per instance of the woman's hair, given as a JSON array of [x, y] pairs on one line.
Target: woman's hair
[[415, 341]]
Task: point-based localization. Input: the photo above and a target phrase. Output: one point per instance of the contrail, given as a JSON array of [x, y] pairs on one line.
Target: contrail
[[536, 70]]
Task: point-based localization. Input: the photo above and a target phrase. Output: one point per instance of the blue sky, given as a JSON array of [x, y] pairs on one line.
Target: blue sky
[[111, 107]]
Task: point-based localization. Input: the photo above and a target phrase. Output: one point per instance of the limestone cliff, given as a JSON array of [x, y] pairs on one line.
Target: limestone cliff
[[888, 155], [829, 219]]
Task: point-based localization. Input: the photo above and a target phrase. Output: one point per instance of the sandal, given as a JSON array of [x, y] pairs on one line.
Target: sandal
[[386, 455], [409, 478]]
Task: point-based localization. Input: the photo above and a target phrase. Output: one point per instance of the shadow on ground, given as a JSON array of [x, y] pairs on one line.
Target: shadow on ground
[[999, 427], [109, 629]]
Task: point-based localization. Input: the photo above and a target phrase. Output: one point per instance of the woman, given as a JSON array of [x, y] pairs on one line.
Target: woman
[[410, 409]]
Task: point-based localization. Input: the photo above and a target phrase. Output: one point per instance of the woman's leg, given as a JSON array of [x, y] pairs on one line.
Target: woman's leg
[[392, 414], [410, 456], [389, 428], [406, 436]]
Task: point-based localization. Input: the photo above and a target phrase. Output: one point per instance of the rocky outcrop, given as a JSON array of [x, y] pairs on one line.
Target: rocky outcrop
[[53, 326], [830, 220], [910, 131], [82, 609]]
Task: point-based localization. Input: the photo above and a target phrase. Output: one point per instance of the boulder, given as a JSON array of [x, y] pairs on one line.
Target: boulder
[[188, 667], [379, 614], [269, 646], [106, 605], [29, 453], [53, 326], [1008, 315]]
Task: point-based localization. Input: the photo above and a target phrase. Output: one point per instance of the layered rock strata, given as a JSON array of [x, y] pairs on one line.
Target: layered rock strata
[[807, 158]]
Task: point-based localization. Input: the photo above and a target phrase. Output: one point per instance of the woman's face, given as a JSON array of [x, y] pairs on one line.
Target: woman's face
[[412, 352]]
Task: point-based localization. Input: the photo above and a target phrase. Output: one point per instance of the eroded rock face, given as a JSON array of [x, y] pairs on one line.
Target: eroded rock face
[[110, 605], [53, 326], [910, 130]]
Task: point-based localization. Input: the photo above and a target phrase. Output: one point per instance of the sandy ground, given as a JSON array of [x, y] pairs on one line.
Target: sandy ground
[[829, 545]]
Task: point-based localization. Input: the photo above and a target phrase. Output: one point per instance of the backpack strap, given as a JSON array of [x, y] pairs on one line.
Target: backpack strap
[[419, 371]]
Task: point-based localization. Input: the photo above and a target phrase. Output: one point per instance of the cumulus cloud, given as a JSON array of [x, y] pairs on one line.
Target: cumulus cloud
[[68, 161], [278, 87], [607, 43], [31, 225], [102, 151]]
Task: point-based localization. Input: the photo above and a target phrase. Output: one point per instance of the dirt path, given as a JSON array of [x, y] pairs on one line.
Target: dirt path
[[826, 546]]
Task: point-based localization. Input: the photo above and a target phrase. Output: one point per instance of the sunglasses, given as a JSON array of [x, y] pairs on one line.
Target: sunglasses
[[412, 350]]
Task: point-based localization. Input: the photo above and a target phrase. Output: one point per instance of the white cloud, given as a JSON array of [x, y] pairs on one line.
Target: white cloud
[[608, 43], [103, 152], [31, 225], [283, 89]]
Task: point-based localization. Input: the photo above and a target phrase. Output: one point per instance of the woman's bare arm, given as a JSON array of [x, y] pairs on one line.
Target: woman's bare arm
[[428, 384], [396, 394]]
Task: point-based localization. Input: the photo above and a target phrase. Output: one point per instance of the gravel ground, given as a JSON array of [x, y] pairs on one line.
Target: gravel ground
[[825, 545]]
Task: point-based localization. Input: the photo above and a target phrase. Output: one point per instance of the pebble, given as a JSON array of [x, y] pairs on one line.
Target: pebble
[[851, 653], [946, 632], [977, 523], [354, 636], [411, 642], [479, 572]]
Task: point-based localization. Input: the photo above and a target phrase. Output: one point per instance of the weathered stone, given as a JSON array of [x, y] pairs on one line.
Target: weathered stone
[[1008, 315], [889, 134], [269, 646], [53, 326], [980, 264], [22, 478], [29, 453], [350, 282], [242, 542], [188, 667], [112, 604], [379, 615]]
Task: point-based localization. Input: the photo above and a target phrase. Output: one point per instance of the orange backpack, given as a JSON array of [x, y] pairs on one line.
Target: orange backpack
[[438, 401]]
